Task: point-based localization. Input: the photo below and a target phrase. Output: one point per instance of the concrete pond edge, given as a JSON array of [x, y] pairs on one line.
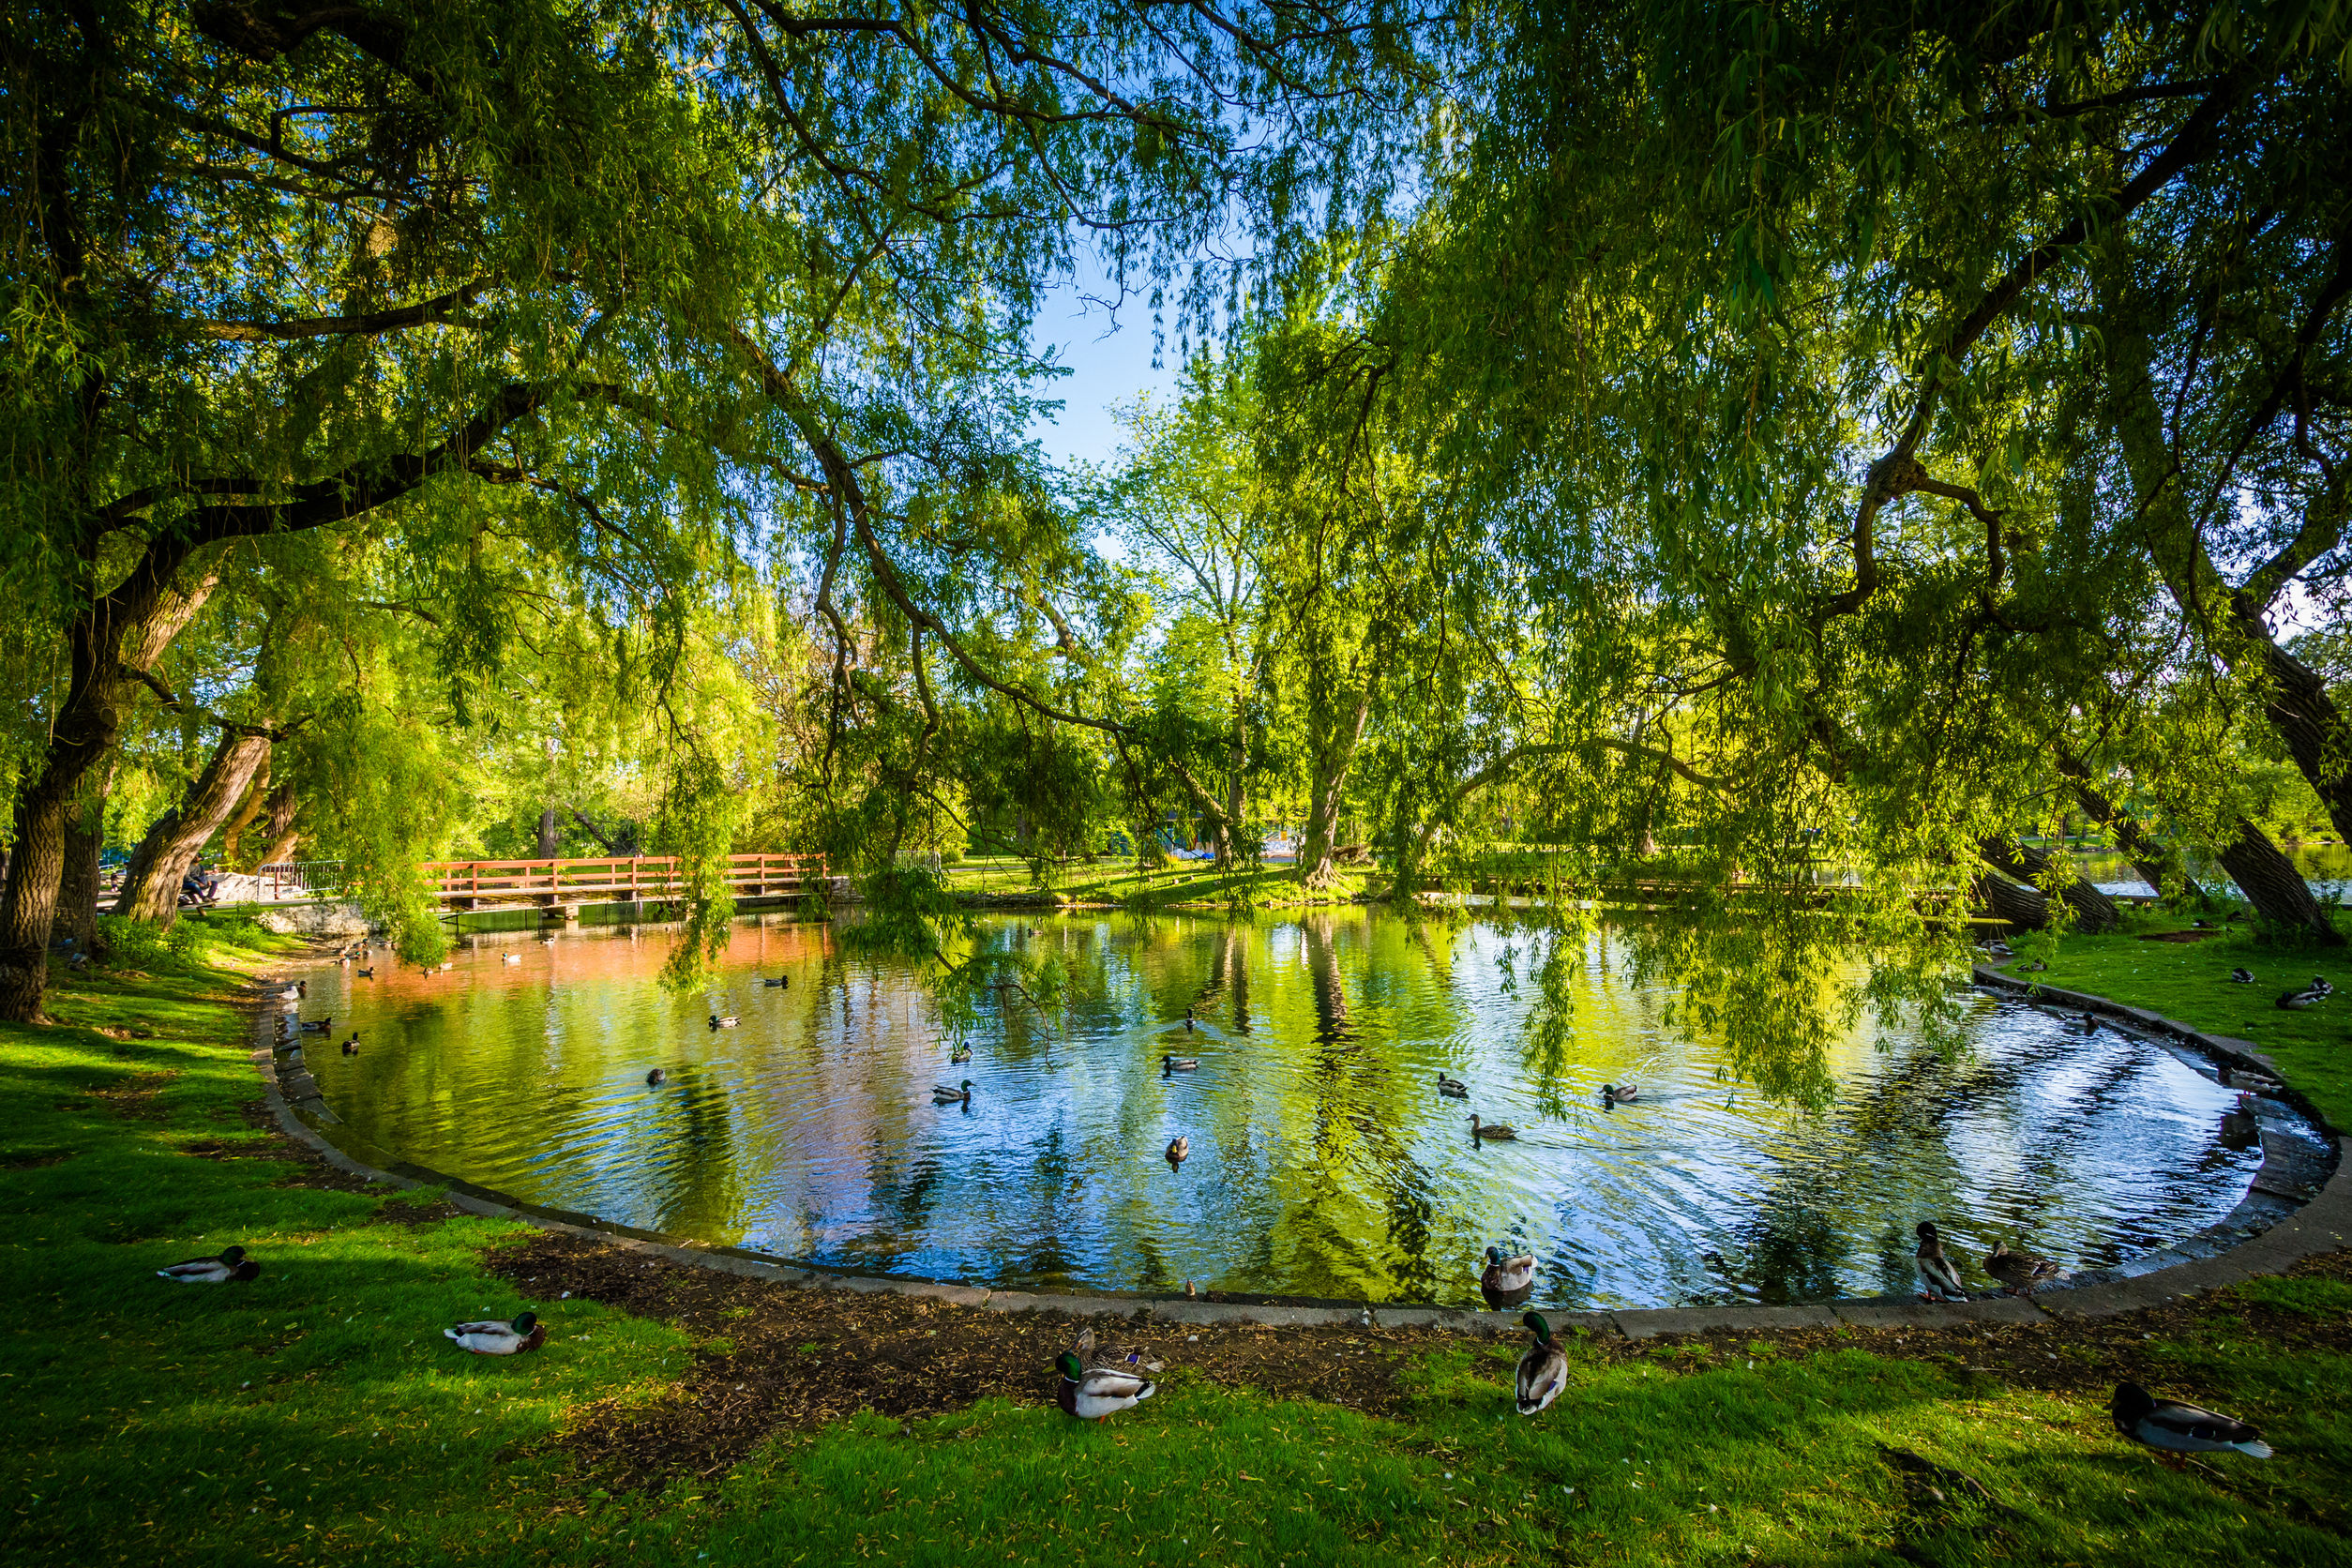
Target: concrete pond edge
[[2319, 1224]]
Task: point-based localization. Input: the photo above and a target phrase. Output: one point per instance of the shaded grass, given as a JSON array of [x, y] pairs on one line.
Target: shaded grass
[[2190, 982], [317, 1416]]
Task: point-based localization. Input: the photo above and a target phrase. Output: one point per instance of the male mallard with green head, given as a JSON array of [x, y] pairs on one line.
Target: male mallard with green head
[[231, 1263], [1938, 1278], [1172, 1063], [1543, 1370], [946, 1096], [1090, 1394], [490, 1337], [1506, 1275], [961, 1054], [2142, 1417]]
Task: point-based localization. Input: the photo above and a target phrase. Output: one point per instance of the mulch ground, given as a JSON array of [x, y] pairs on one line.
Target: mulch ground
[[797, 1358]]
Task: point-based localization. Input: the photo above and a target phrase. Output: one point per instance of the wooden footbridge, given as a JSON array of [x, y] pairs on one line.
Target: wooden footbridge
[[561, 886]]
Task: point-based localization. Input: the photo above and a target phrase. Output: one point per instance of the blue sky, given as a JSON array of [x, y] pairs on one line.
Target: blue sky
[[1109, 360]]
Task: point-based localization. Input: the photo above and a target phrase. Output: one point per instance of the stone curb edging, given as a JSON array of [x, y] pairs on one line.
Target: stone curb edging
[[2324, 1223]]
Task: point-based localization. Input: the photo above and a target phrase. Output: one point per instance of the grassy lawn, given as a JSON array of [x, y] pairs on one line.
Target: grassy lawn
[[2190, 982], [316, 1415]]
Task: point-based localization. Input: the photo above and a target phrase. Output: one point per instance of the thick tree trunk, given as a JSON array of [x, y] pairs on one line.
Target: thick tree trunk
[[151, 891], [2093, 909], [546, 834], [85, 836], [2282, 899], [283, 802], [115, 640], [2021, 906], [2157, 864], [1334, 753], [256, 794], [2295, 700]]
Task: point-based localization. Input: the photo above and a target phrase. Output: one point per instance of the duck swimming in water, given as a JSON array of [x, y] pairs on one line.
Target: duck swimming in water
[[1491, 1129], [1178, 1149], [1172, 1063], [1452, 1088], [1625, 1093], [946, 1096], [1504, 1276]]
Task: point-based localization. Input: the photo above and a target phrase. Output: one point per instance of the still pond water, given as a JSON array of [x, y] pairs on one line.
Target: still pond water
[[1324, 1163]]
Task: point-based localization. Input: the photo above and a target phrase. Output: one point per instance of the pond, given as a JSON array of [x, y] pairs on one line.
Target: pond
[[1322, 1162], [2327, 867]]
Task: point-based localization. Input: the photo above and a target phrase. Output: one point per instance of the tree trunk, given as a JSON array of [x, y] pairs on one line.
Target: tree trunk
[[115, 638], [283, 802], [151, 891], [85, 836], [256, 794], [2156, 863], [2093, 909], [2282, 899], [2295, 700], [546, 834], [1335, 751], [2026, 907]]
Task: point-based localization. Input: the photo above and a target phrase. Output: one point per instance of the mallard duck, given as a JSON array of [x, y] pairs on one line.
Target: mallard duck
[[2142, 1417], [1999, 950], [351, 1047], [230, 1263], [725, 1020], [1620, 1092], [1178, 1149], [2022, 1273], [961, 1053], [946, 1096], [1172, 1063], [490, 1337], [1939, 1280], [2247, 1078], [1092, 1394], [510, 958], [2240, 1129], [1491, 1129], [777, 983], [656, 1077], [316, 1026], [1543, 1370], [368, 974], [294, 992], [447, 964], [2241, 976], [1111, 1357], [1506, 1275], [1452, 1088]]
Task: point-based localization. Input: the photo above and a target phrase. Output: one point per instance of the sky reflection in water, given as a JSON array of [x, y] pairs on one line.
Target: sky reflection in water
[[1323, 1162]]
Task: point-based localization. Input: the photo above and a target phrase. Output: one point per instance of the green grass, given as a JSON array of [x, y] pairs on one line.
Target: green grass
[[2189, 981], [316, 1415]]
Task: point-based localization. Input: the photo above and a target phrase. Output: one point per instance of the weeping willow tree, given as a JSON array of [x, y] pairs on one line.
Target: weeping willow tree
[[671, 277]]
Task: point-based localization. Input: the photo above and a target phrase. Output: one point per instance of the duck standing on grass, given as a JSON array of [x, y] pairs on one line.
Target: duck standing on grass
[[2022, 1273], [1504, 1276], [1543, 1370], [2142, 1417], [490, 1337], [1090, 1394], [1939, 1280], [230, 1263]]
